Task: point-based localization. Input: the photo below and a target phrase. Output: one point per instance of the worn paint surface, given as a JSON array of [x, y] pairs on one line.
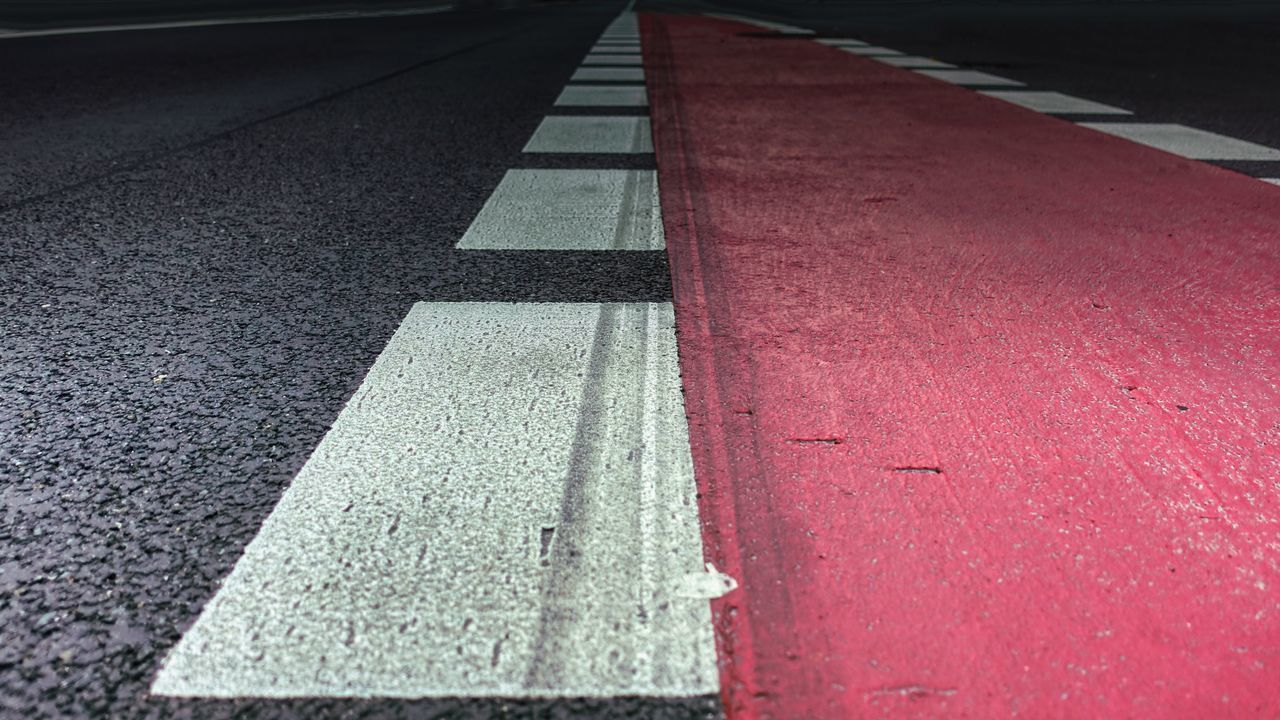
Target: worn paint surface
[[505, 508], [983, 404]]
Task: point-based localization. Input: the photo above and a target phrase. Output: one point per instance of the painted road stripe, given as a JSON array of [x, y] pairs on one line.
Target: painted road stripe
[[999, 442], [612, 59], [868, 50], [504, 508], [570, 134], [570, 210], [1273, 181], [912, 61], [1187, 141], [609, 74], [968, 77], [1054, 102], [602, 96], [627, 49], [431, 9], [842, 42]]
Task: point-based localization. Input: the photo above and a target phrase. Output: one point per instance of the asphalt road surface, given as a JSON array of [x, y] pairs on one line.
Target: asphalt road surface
[[209, 234]]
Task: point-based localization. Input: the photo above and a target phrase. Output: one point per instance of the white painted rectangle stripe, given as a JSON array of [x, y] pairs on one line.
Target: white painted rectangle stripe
[[1273, 181], [612, 59], [603, 96], [591, 134], [543, 209], [868, 50], [504, 508], [1054, 102], [842, 42], [608, 74], [1187, 141], [629, 49], [969, 77], [911, 61]]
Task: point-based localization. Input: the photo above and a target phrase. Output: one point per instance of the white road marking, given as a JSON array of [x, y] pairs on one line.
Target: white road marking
[[599, 134], [1054, 102], [625, 48], [6, 34], [1273, 181], [603, 96], [504, 508], [911, 61], [969, 77], [613, 74], [869, 50], [614, 59], [570, 210], [1187, 141], [842, 42]]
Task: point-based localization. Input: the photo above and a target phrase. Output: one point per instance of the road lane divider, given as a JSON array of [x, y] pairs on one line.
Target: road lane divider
[[1186, 141], [542, 209], [505, 507]]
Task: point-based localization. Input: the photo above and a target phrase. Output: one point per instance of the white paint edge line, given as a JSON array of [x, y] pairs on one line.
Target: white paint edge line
[[868, 50], [969, 78], [592, 134], [911, 62], [1273, 181], [14, 34], [1187, 142], [841, 42], [1054, 103], [564, 209], [505, 508]]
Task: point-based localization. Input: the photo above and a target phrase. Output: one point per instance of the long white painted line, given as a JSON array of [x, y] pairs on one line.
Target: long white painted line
[[504, 508], [869, 50], [434, 8], [969, 77], [1187, 141], [841, 42], [603, 96], [1273, 181], [570, 210], [911, 61], [591, 134], [614, 59], [612, 74], [1054, 102]]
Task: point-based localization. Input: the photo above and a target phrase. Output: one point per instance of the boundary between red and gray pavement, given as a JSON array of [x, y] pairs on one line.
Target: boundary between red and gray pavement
[[980, 400]]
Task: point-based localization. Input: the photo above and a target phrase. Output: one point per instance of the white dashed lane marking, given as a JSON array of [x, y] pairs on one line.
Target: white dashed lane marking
[[841, 42], [612, 59], [911, 61], [1054, 102], [570, 210], [610, 74], [870, 50], [615, 49], [969, 77], [591, 134], [603, 96], [1187, 141], [504, 508]]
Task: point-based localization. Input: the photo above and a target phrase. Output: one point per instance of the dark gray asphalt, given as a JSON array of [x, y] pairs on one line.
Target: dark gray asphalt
[[206, 237]]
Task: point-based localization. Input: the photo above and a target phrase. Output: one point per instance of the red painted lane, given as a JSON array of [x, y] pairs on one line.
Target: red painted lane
[[984, 405]]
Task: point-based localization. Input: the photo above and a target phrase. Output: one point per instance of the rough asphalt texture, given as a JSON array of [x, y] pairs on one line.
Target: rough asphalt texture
[[206, 237]]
